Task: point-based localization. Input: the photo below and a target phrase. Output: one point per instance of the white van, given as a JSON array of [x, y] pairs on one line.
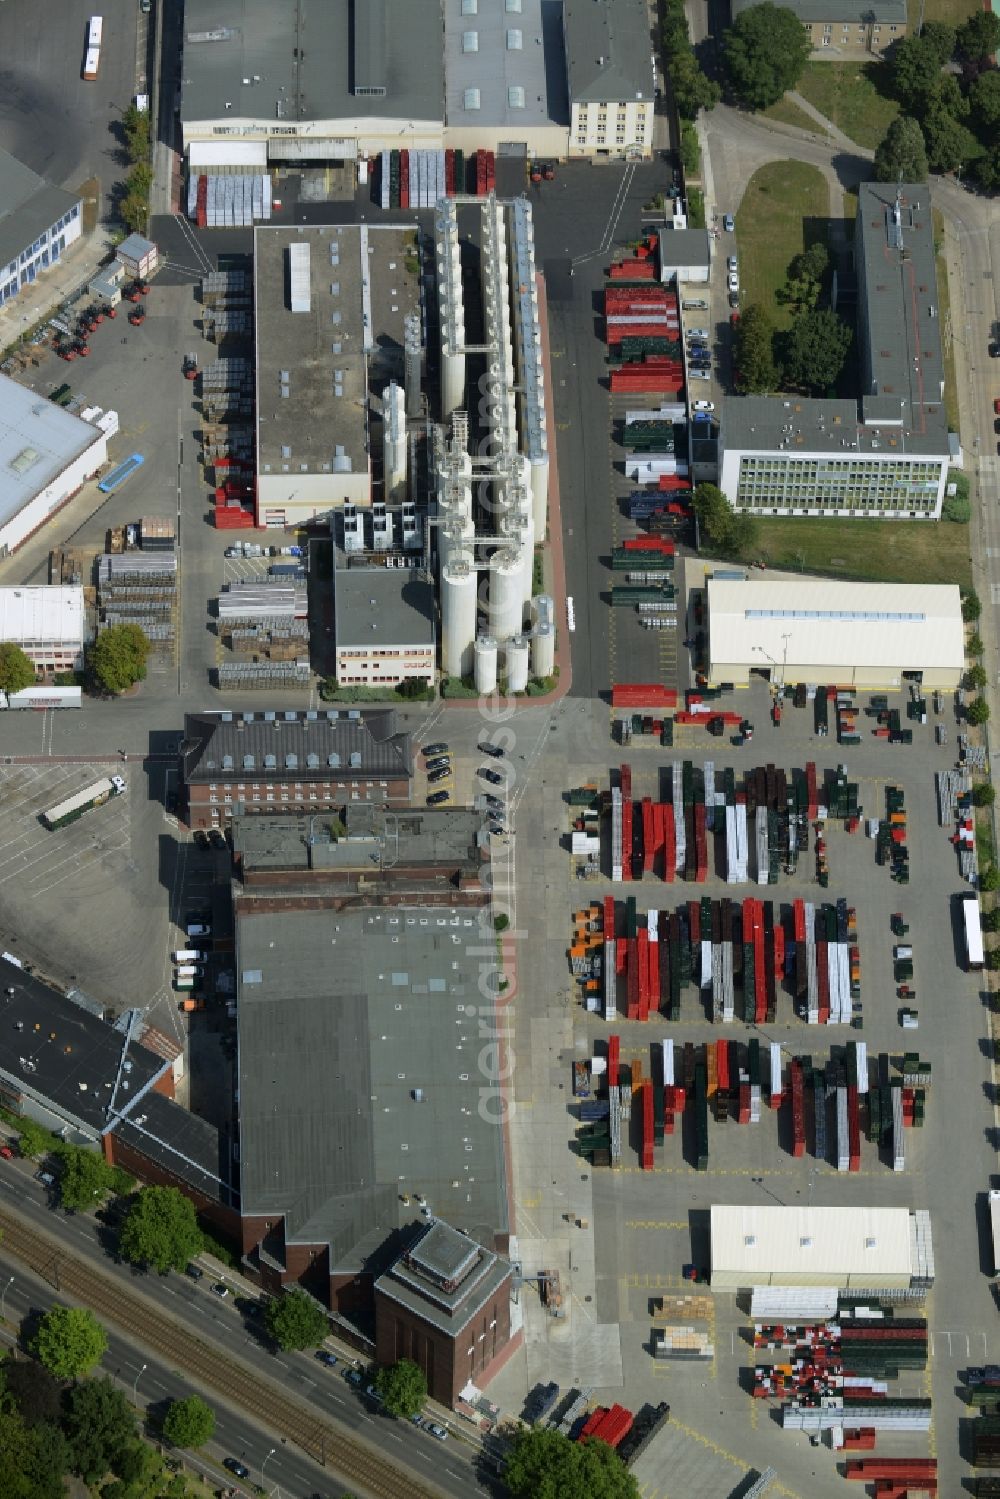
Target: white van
[[189, 971], [187, 955]]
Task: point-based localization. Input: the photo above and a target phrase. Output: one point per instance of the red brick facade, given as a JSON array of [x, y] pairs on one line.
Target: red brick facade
[[448, 1362]]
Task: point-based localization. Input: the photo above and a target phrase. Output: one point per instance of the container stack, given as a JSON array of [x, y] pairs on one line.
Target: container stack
[[140, 588], [229, 202]]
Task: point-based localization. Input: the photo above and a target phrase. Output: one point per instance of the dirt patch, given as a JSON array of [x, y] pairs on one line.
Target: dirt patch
[[90, 192]]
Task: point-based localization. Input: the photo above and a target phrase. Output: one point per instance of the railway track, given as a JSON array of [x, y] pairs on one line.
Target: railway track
[[238, 1382]]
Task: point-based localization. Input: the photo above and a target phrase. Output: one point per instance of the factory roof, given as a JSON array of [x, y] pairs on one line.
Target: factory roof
[[859, 12], [803, 426], [28, 206], [38, 441], [765, 1240], [504, 63], [899, 316], [189, 1147], [819, 622], [608, 50], [330, 305], [445, 1277], [379, 607], [682, 247], [284, 61], [354, 743], [359, 1033], [42, 614], [68, 1058], [443, 837]]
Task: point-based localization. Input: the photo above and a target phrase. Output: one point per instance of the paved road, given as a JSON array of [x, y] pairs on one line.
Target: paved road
[[451, 1468]]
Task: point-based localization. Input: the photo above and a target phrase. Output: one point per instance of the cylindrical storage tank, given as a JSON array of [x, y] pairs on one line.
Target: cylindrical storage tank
[[505, 601], [540, 496], [543, 651], [527, 563], [517, 659], [454, 537], [458, 615], [486, 664], [394, 442]]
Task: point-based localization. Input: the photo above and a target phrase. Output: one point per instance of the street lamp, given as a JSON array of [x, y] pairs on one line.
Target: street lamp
[[3, 1297], [135, 1382], [265, 1463]]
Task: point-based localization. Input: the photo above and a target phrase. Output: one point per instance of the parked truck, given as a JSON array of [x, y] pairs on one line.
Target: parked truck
[[75, 806], [973, 930], [994, 1201], [42, 697]]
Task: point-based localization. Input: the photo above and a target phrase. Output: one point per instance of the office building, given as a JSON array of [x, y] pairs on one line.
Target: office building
[[609, 67], [38, 224], [47, 622], [840, 29]]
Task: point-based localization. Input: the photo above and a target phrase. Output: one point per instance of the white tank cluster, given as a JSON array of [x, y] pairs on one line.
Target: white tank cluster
[[510, 472]]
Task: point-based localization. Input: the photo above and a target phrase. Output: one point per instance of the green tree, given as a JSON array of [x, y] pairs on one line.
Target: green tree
[[993, 959], [133, 211], [984, 794], [805, 278], [915, 67], [764, 51], [815, 348], [403, 1388], [957, 507], [971, 609], [986, 169], [16, 671], [939, 36], [143, 1474], [949, 143], [690, 150], [160, 1230], [69, 1341], [295, 1320], [84, 1177], [135, 126], [693, 90], [33, 1139], [990, 878], [99, 1427], [975, 677], [34, 1460], [754, 351], [979, 36], [189, 1423], [984, 100], [978, 711], [35, 1392], [974, 645], [545, 1464], [901, 154], [725, 531], [118, 657], [991, 923]]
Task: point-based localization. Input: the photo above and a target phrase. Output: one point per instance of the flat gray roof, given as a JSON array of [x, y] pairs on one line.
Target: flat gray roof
[[292, 60], [511, 59], [343, 1016], [38, 440], [685, 247], [852, 12], [357, 292], [899, 320], [803, 424], [28, 206], [375, 837], [608, 50], [184, 1144], [382, 606]]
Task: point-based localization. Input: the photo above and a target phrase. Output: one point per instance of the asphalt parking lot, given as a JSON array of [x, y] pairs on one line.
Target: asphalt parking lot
[[643, 1226]]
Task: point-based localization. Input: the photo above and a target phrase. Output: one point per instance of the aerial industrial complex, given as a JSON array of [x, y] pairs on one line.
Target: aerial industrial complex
[[498, 800]]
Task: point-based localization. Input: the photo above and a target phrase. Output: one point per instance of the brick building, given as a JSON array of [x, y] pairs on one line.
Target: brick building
[[445, 1304], [294, 761]]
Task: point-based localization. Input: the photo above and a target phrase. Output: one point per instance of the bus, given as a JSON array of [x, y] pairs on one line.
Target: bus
[[75, 806], [973, 931], [92, 60]]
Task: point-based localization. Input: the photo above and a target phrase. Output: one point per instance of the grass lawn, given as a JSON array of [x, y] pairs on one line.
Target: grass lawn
[[877, 551], [944, 321], [952, 11], [787, 113], [853, 95], [771, 228]]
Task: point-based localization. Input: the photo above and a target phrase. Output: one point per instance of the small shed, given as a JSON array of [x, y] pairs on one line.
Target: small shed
[[685, 254], [138, 255]]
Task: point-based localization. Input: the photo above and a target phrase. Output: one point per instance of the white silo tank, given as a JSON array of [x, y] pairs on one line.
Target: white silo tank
[[543, 651], [540, 496], [458, 614], [517, 657], [394, 442], [505, 608], [486, 664]]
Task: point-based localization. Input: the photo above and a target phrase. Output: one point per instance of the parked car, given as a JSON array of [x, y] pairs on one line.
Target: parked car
[[698, 374], [435, 749], [46, 1178], [220, 1290], [373, 1394], [216, 838], [325, 1357], [438, 798], [734, 299], [439, 775], [733, 282], [194, 1272], [441, 763], [6, 1152], [493, 776], [728, 223], [198, 929], [354, 1377], [201, 839], [495, 804], [249, 1307], [441, 1432], [732, 264], [704, 406], [236, 1467], [492, 749], [698, 333]]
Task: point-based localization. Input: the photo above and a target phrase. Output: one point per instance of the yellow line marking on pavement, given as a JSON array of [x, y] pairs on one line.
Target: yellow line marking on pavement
[[739, 1462]]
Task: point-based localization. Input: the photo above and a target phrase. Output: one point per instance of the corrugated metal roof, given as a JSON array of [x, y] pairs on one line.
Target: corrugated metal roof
[[364, 744], [765, 1240], [821, 622], [847, 12]]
